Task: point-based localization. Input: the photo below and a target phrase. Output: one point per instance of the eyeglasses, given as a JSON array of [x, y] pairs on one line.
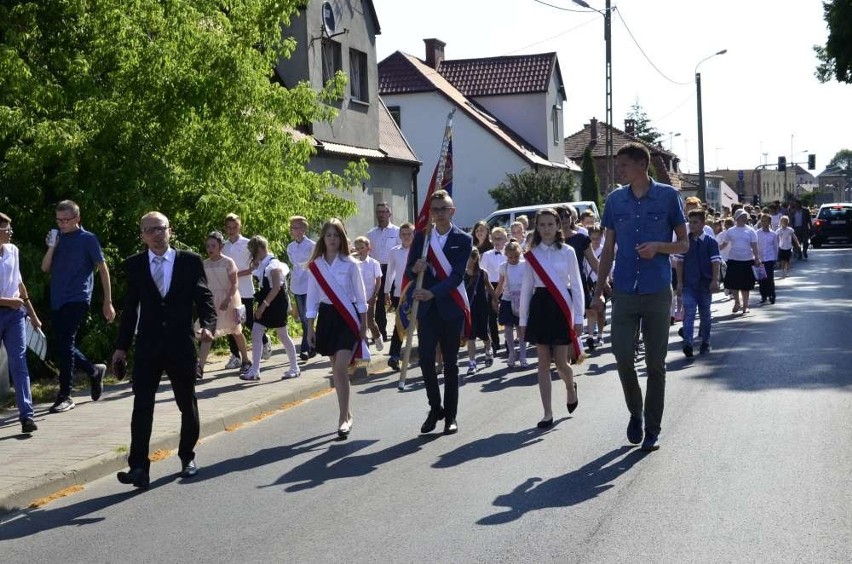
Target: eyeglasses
[[6, 230], [442, 209], [155, 229], [65, 219]]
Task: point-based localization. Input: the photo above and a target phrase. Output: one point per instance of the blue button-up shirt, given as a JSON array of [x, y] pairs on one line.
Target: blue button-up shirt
[[653, 217]]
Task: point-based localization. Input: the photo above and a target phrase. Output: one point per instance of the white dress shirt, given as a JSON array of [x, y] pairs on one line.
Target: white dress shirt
[[490, 263], [168, 267], [767, 245], [563, 262], [370, 269], [382, 241], [396, 269], [238, 252], [348, 278], [299, 254], [10, 272], [785, 238]]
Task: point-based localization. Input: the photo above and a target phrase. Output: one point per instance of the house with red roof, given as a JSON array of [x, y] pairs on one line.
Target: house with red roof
[[508, 118]]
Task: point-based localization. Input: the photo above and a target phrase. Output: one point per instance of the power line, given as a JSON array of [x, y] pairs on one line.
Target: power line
[[650, 62], [563, 8], [567, 31]]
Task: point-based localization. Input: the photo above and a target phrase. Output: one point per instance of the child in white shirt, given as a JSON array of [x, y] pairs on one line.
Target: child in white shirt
[[371, 274]]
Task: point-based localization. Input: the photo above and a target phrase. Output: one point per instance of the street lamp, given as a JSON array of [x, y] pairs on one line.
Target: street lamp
[[607, 15], [702, 181], [672, 135]]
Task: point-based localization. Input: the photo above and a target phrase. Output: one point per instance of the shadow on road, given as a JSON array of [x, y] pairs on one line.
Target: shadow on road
[[491, 447], [573, 488]]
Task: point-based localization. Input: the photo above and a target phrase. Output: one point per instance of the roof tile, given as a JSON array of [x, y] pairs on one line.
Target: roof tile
[[495, 76]]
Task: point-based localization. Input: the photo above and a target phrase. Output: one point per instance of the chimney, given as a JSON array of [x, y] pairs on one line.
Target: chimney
[[593, 128], [434, 52], [630, 126]]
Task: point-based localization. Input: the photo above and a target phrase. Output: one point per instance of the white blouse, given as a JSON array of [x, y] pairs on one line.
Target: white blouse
[[785, 238], [514, 276], [396, 269], [739, 241], [10, 272], [563, 261], [348, 278]]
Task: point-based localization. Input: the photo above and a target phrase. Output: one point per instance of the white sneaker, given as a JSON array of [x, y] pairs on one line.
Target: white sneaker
[[233, 362], [471, 368], [267, 351], [379, 343], [292, 373], [251, 376]]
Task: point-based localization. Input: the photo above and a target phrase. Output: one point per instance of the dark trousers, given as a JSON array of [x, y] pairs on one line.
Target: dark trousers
[[654, 312], [146, 379], [232, 344], [433, 331], [493, 330], [803, 235], [66, 322], [767, 285], [381, 316], [302, 307], [396, 340]]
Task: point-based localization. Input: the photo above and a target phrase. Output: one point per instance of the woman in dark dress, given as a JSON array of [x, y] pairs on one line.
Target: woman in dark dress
[[479, 294], [582, 245]]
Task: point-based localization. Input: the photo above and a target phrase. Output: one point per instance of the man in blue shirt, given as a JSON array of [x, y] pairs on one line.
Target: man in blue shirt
[[639, 219], [72, 256], [697, 279]]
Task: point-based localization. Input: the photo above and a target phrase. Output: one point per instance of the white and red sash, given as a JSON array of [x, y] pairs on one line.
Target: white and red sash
[[559, 293], [443, 268], [324, 277]]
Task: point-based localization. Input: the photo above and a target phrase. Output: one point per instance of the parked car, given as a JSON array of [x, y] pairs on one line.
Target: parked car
[[505, 217], [833, 223]]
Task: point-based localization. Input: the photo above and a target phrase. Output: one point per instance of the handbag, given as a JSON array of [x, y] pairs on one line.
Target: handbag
[[241, 313]]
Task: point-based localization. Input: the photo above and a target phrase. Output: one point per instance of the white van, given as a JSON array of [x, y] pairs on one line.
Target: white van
[[505, 218]]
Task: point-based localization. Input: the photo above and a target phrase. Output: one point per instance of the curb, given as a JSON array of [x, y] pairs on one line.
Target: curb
[[21, 496]]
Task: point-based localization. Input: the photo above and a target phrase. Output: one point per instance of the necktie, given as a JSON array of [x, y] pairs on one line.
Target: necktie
[[159, 275]]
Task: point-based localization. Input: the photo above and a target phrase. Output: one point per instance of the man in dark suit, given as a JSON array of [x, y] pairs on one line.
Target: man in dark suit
[[162, 286], [440, 315], [800, 221]]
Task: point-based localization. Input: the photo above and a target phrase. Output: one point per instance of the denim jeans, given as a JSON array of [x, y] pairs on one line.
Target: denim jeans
[[696, 299], [12, 335], [66, 322], [301, 306]]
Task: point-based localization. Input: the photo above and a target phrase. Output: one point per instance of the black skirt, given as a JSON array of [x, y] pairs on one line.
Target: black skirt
[[275, 315], [739, 275], [332, 333], [505, 316], [546, 324]]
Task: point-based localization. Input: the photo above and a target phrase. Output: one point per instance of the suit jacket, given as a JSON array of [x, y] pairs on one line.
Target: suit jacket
[[164, 325], [457, 249]]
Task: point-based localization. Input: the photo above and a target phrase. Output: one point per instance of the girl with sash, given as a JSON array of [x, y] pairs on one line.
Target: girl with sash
[[338, 303], [273, 305], [552, 308]]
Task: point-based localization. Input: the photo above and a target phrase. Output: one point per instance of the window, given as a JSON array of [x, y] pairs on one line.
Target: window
[[358, 80], [555, 114], [396, 114], [332, 60]]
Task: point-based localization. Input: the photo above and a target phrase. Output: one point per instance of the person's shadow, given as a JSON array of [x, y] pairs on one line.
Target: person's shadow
[[490, 447], [572, 488]]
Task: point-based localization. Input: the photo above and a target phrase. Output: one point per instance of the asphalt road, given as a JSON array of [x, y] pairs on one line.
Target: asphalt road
[[754, 466]]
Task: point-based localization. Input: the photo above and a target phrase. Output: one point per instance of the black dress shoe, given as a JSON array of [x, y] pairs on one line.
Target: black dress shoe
[[573, 406], [431, 421], [451, 427], [189, 470], [687, 351], [545, 423], [303, 355], [136, 476]]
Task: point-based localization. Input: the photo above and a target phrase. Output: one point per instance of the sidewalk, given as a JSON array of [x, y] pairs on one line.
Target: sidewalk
[[91, 441]]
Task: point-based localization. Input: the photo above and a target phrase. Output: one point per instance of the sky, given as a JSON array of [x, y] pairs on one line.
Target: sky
[[760, 97]]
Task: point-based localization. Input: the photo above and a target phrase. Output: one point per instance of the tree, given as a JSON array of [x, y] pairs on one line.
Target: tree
[[590, 189], [127, 107], [843, 159], [534, 187], [835, 57], [643, 128]]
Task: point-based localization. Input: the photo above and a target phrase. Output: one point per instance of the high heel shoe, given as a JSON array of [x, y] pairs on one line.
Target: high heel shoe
[[573, 406], [545, 423], [345, 427]]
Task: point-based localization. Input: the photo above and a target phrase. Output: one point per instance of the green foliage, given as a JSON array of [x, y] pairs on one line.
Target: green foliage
[[131, 106], [590, 190], [835, 57], [644, 130], [533, 187], [843, 159]]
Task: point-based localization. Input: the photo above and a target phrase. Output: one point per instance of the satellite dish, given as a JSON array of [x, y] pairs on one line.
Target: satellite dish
[[328, 23]]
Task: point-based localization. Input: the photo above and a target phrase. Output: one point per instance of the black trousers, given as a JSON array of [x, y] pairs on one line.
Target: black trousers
[[804, 237], [147, 373], [381, 311], [232, 344], [493, 330], [767, 285], [396, 339], [433, 331]]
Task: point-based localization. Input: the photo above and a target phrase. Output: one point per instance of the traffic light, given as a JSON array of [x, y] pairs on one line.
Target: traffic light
[[782, 164], [811, 162]]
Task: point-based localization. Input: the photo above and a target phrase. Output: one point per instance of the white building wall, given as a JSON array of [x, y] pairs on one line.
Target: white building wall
[[480, 160], [528, 115]]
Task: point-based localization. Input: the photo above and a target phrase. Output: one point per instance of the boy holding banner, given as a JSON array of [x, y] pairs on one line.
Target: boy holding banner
[[444, 312]]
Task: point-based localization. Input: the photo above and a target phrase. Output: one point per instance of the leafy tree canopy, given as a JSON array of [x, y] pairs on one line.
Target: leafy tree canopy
[[644, 130], [531, 187], [835, 57], [590, 189], [843, 159], [170, 105]]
